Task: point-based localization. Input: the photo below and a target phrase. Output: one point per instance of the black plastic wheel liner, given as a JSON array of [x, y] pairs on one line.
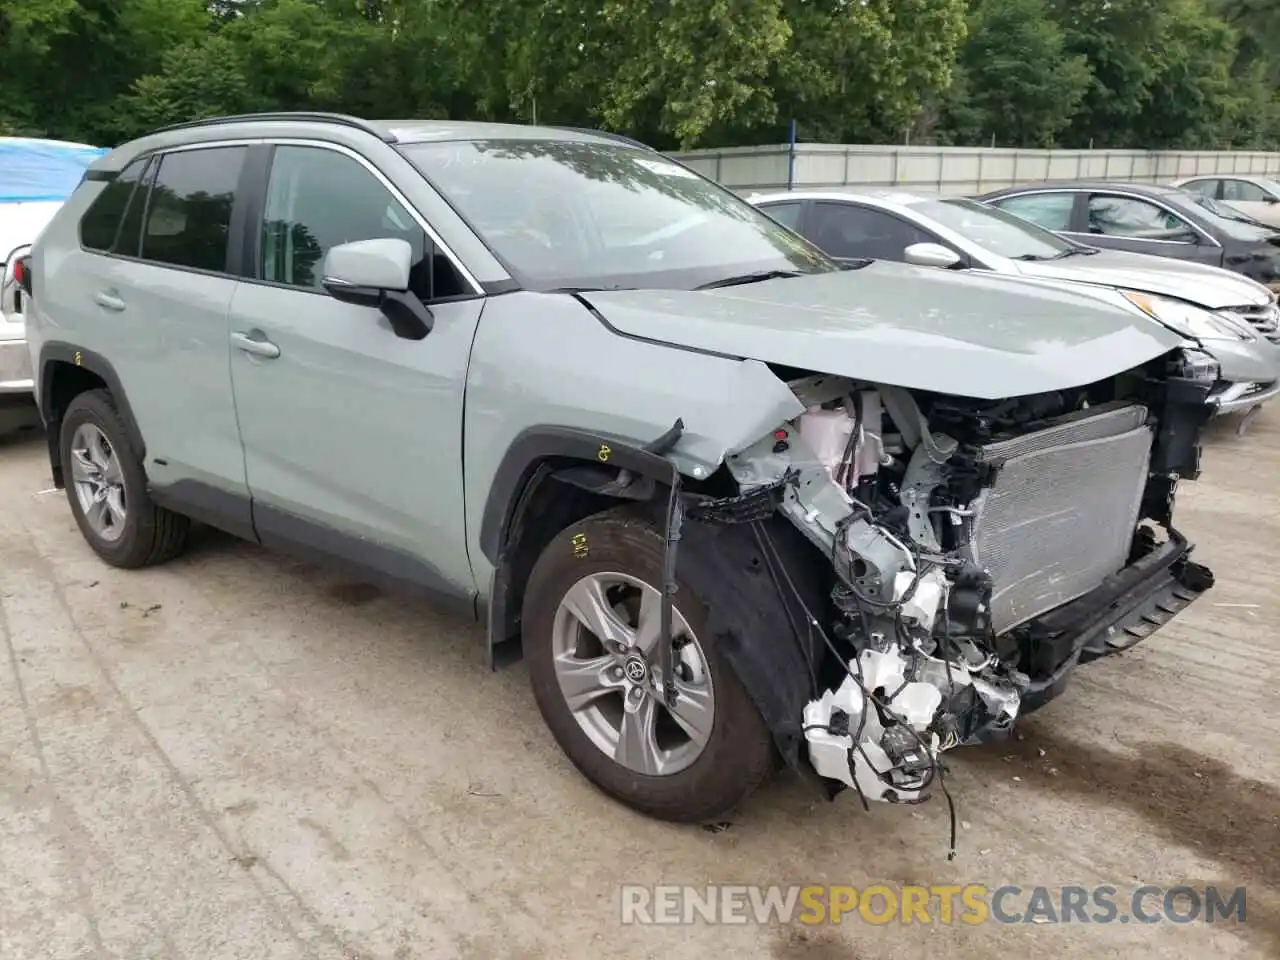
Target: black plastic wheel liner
[[748, 617]]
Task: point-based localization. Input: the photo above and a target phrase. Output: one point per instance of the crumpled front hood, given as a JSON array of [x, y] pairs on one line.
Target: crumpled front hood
[[1198, 283], [985, 337]]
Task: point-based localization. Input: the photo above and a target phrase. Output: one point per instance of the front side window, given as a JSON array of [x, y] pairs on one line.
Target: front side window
[[786, 213], [851, 232], [579, 214], [1050, 210], [319, 198], [1114, 216], [100, 224], [1242, 191], [188, 218], [1203, 188]]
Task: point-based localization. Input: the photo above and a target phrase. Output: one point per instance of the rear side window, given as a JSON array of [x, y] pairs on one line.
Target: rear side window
[[101, 222], [129, 238], [188, 218], [1050, 210]]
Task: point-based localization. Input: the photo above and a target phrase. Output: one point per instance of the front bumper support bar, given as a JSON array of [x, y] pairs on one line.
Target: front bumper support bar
[[1128, 607]]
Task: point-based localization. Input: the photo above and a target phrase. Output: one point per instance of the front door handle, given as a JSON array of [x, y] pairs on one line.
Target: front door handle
[[109, 301], [258, 346]]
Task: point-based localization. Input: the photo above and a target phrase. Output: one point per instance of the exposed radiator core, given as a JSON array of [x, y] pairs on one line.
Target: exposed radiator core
[[1060, 515]]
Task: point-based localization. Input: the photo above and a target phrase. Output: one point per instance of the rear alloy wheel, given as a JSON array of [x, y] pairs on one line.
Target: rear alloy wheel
[[591, 629], [98, 482], [107, 488]]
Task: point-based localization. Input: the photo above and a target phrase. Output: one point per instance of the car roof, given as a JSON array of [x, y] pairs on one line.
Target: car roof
[[1222, 176], [1143, 189], [879, 195], [396, 132]]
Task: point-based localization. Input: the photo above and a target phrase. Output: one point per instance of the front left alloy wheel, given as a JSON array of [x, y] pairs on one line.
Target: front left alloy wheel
[[591, 624]]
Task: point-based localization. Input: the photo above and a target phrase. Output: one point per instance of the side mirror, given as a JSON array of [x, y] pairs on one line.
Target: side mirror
[[1270, 198], [932, 255], [375, 273]]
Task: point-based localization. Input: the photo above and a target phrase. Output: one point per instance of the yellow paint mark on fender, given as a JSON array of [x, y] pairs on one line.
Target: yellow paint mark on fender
[[79, 359], [579, 543], [604, 453]]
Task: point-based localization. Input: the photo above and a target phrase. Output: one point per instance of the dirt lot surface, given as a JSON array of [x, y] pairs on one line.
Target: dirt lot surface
[[237, 756]]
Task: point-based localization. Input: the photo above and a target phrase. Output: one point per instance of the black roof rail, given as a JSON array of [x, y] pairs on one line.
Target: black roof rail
[[618, 137], [281, 115]]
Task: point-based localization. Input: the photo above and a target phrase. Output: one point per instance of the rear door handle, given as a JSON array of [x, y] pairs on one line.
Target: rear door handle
[[109, 301], [258, 347]]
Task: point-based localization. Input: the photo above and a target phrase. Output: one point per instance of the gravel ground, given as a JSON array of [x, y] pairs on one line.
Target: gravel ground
[[240, 756]]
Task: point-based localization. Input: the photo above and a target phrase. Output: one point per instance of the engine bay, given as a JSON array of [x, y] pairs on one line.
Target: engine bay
[[950, 526]]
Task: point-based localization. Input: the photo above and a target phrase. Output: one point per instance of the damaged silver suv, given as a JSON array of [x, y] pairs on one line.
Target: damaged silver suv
[[731, 501]]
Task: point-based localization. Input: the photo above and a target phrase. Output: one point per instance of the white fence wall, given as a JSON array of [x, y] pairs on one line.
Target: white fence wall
[[958, 170]]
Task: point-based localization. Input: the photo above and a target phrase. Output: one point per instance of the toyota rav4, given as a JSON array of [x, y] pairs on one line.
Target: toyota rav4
[[731, 501]]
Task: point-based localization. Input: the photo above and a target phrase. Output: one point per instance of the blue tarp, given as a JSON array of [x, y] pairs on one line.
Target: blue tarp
[[33, 170]]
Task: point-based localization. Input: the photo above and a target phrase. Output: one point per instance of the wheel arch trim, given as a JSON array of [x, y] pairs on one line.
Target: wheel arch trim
[[590, 460], [56, 352], [532, 448]]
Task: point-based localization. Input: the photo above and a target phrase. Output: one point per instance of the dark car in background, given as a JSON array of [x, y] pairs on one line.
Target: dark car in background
[[1148, 219]]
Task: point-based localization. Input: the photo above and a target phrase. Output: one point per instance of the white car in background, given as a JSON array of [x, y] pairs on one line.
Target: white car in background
[[1233, 318], [36, 176], [1255, 197]]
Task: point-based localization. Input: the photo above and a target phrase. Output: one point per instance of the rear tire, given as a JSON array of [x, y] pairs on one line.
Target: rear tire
[[107, 488], [608, 556]]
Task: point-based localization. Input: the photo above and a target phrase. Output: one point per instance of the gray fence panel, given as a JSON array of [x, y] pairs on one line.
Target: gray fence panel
[[959, 170]]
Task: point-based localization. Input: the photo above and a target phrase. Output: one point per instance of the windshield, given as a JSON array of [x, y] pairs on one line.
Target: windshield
[[1223, 210], [995, 230], [1227, 221], [571, 214]]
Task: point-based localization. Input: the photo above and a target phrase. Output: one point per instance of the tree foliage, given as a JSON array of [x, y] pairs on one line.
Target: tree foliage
[[677, 73]]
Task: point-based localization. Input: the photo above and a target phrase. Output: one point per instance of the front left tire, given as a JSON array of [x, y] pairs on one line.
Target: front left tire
[[590, 625]]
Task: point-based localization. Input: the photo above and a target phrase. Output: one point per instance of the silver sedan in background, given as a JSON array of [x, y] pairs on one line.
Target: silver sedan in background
[[1234, 318]]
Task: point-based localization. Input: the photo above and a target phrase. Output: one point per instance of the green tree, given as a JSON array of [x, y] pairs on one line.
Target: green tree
[[64, 63], [1018, 83], [1192, 98], [858, 72]]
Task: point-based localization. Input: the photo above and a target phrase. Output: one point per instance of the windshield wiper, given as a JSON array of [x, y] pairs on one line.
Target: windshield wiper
[[585, 289], [742, 278], [1075, 252], [1035, 257]]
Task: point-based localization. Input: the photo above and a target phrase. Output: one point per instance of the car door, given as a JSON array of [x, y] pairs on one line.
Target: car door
[[1128, 222], [849, 231], [156, 271], [1251, 200], [352, 436]]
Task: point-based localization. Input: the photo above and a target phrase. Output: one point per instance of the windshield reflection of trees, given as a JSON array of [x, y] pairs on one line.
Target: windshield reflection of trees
[[608, 164]]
